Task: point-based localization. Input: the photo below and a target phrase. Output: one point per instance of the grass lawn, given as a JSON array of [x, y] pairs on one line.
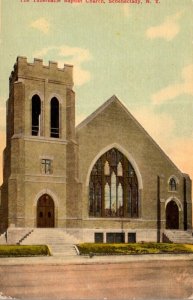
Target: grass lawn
[[23, 250], [134, 248]]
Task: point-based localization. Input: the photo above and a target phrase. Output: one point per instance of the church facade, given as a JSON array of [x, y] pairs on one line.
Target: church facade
[[105, 180]]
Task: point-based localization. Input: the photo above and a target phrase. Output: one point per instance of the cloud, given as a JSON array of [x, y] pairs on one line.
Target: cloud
[[172, 91], [159, 126], [167, 30], [2, 112], [180, 150], [3, 116], [42, 25], [81, 76], [80, 118], [70, 55]]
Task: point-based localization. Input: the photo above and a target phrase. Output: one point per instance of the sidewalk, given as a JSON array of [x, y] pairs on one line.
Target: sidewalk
[[81, 260]]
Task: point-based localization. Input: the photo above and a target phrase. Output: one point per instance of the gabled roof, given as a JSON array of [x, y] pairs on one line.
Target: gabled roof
[[104, 106], [100, 109]]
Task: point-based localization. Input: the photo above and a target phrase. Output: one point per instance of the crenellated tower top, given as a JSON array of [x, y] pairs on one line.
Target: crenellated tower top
[[50, 73], [41, 100]]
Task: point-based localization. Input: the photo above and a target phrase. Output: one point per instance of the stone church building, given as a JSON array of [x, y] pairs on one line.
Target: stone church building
[[105, 180]]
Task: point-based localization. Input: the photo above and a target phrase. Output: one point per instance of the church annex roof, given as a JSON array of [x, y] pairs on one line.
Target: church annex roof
[[104, 106]]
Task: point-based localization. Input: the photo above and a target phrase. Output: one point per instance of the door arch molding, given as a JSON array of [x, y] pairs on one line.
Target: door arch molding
[[56, 205], [178, 202], [50, 193]]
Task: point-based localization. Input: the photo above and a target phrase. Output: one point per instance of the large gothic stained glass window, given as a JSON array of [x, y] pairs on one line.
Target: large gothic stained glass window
[[113, 187]]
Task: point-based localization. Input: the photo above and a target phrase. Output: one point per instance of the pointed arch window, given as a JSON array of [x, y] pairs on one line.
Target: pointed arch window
[[118, 187], [172, 184], [54, 118], [36, 116]]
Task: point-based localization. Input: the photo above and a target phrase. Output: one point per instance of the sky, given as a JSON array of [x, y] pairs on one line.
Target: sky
[[142, 53]]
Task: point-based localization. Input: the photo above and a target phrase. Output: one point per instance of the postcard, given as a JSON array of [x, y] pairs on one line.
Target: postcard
[[96, 142]]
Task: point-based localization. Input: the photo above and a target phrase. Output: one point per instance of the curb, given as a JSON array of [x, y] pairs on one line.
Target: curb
[[86, 260]]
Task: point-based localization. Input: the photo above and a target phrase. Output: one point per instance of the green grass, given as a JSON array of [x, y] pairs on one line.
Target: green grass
[[135, 248], [23, 250]]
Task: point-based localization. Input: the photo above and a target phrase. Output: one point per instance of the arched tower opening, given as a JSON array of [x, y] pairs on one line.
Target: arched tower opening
[[36, 115], [54, 118]]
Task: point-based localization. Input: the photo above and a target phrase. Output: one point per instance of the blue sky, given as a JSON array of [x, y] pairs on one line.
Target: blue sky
[[140, 52]]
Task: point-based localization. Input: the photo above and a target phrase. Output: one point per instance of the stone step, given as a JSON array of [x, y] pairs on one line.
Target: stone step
[[180, 237], [51, 241], [62, 245], [183, 239], [62, 250], [61, 254], [3, 240], [60, 242]]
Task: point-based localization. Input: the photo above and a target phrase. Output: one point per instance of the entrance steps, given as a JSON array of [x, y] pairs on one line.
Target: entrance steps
[[60, 242], [179, 236], [3, 240]]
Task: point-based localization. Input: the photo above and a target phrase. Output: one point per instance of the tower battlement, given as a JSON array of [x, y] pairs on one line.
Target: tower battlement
[[51, 73]]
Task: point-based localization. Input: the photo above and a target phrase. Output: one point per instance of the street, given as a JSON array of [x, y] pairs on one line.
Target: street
[[130, 280]]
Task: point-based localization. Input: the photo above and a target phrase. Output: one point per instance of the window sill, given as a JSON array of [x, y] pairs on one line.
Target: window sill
[[113, 219]]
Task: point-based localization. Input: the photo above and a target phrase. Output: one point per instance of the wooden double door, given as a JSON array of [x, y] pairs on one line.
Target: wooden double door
[[45, 212]]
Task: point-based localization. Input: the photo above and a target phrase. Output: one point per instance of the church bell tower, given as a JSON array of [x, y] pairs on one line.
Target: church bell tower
[[40, 154]]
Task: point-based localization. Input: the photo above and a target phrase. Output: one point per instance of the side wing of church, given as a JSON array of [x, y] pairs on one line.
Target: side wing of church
[[105, 180]]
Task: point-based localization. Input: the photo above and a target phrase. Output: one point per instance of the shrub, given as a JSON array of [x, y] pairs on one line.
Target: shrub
[[24, 250], [133, 248]]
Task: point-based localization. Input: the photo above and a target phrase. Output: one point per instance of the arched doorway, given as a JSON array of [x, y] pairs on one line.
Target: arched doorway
[[45, 211], [172, 215]]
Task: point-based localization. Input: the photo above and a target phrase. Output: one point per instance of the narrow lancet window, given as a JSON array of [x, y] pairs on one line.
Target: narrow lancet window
[[120, 200], [36, 115], [107, 169], [54, 116], [107, 200], [113, 195], [173, 185], [91, 196], [98, 200], [120, 169]]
